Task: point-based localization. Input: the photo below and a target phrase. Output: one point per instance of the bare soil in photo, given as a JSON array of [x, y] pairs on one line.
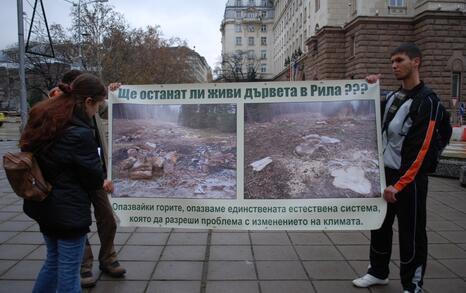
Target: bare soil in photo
[[163, 159], [312, 157]]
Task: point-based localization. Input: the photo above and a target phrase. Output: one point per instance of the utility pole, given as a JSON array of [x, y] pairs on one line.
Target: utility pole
[[22, 73]]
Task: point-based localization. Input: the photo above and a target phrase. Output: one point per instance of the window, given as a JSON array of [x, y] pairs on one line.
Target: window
[[263, 28], [238, 28], [263, 67], [238, 41], [263, 41], [456, 84], [264, 2], [251, 54], [251, 41], [238, 14], [252, 2], [238, 2], [251, 28], [263, 54], [263, 14], [396, 3], [318, 5]]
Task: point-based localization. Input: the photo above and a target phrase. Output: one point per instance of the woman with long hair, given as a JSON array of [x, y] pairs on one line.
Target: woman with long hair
[[59, 133]]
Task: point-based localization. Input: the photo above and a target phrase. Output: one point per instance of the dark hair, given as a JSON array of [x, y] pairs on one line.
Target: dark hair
[[70, 76], [410, 49], [49, 118]]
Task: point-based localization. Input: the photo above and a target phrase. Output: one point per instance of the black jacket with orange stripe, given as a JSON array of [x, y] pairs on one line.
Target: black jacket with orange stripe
[[410, 142]]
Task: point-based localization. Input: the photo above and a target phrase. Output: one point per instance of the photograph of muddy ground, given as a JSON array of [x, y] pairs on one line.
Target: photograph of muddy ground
[[311, 150], [174, 151]]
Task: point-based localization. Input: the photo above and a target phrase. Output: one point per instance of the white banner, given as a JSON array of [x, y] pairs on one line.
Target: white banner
[[278, 155]]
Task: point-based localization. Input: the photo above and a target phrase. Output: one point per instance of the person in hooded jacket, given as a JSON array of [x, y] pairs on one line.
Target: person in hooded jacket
[[59, 134]]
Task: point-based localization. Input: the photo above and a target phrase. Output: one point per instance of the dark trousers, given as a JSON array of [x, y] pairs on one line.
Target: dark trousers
[[106, 229], [410, 210]]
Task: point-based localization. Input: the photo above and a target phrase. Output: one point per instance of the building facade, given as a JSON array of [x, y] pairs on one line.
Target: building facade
[[247, 39], [352, 39]]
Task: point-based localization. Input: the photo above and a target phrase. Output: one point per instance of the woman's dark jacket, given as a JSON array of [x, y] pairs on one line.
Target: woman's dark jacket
[[73, 167]]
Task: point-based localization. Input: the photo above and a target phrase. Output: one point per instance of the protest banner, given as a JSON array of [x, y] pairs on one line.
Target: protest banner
[[268, 155]]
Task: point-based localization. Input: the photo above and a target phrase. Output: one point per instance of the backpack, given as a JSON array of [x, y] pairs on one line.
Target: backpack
[[25, 176]]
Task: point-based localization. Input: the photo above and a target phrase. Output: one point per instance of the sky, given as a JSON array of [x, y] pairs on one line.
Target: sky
[[195, 21]]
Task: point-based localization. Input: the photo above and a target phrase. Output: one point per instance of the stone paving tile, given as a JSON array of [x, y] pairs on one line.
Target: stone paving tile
[[120, 287], [274, 253], [354, 252], [307, 238], [221, 238], [444, 226], [33, 228], [138, 252], [7, 215], [232, 252], [189, 230], [436, 270], [178, 270], [440, 251], [347, 238], [174, 287], [184, 253], [232, 287], [337, 286], [277, 238], [13, 208], [318, 252], [38, 254], [286, 286], [457, 266], [393, 286], [24, 270], [444, 285], [10, 226], [152, 230], [120, 238], [435, 238], [329, 270], [188, 239], [15, 251], [280, 270], [4, 236], [22, 217], [5, 265], [27, 238], [16, 286], [231, 270], [148, 239], [135, 270], [454, 236]]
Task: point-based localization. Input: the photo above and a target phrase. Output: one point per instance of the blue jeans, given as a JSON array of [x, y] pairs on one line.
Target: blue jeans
[[60, 272]]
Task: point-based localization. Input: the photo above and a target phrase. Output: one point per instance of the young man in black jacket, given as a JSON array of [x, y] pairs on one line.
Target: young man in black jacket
[[411, 145]]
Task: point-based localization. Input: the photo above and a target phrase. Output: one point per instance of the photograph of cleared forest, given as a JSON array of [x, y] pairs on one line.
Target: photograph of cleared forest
[[311, 150], [174, 151]]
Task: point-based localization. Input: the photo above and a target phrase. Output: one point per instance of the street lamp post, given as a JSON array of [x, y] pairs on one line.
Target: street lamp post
[[78, 4]]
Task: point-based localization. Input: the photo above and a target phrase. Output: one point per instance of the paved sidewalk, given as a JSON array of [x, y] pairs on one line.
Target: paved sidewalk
[[213, 261]]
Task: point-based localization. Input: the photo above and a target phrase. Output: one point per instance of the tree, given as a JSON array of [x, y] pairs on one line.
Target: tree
[[238, 66]]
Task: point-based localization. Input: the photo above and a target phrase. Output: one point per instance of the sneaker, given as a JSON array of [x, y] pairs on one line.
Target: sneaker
[[368, 280], [87, 280], [114, 269]]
